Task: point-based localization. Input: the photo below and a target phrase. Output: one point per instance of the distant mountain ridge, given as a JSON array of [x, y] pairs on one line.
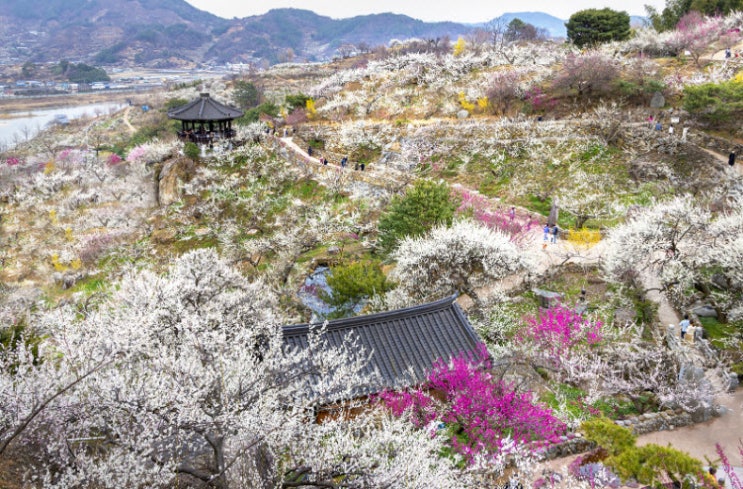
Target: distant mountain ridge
[[173, 33]]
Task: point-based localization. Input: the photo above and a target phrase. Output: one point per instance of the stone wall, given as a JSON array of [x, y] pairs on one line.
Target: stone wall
[[662, 421], [573, 444]]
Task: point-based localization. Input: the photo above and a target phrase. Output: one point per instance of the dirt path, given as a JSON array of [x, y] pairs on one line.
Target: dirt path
[[738, 167], [128, 124], [699, 440]]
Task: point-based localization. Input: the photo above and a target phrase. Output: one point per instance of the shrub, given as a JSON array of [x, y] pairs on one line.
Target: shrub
[[298, 101], [608, 435], [192, 150], [352, 283], [716, 103], [652, 464]]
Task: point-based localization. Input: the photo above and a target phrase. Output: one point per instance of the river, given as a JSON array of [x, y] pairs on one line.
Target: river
[[20, 126]]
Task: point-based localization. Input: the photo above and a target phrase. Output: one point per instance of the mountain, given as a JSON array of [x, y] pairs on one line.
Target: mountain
[[103, 31], [554, 26], [312, 37], [172, 33]]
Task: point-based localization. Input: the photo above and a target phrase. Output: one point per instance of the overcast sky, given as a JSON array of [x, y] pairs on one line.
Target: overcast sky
[[469, 11]]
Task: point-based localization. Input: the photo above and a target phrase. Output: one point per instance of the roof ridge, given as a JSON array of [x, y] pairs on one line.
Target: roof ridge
[[337, 324]]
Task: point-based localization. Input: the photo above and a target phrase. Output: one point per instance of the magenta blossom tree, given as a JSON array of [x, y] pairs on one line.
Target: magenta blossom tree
[[483, 211], [480, 409], [557, 330]]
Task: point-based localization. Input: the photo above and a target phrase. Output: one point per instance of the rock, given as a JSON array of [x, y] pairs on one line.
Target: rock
[[691, 374], [202, 231], [334, 250], [547, 298], [732, 382], [705, 311], [657, 101], [624, 316], [163, 236], [720, 281], [253, 232], [463, 114], [168, 185], [702, 413]]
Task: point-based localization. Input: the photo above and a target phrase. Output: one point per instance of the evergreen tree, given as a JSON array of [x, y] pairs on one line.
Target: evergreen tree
[[594, 26], [424, 206]]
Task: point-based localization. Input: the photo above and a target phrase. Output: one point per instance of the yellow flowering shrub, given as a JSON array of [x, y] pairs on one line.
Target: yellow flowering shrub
[[584, 237]]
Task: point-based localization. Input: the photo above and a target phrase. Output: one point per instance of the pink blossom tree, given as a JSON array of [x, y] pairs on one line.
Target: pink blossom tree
[[558, 330], [481, 410], [483, 211], [694, 34]]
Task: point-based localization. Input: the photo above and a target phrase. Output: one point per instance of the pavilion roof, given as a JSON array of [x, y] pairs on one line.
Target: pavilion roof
[[204, 108]]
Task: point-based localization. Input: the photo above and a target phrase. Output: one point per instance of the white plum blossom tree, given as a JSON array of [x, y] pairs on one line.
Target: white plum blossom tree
[[459, 259], [687, 247], [184, 379]]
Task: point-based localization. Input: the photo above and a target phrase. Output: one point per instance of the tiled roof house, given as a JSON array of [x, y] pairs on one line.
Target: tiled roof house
[[403, 344]]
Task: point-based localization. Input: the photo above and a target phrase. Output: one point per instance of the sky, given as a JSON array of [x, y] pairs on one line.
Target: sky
[[471, 11]]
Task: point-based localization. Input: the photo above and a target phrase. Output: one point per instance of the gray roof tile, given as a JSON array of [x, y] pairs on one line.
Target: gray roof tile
[[404, 344], [204, 108]]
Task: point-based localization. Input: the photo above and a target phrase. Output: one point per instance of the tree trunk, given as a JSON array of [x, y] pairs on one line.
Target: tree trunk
[[219, 468]]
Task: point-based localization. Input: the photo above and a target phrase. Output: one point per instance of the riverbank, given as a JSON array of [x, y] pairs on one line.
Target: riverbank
[[28, 104]]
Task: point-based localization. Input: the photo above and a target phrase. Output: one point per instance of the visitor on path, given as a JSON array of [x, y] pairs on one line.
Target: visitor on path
[[309, 150], [362, 166], [731, 158], [344, 160], [555, 230], [658, 126], [512, 213], [546, 232], [356, 167], [727, 53], [684, 325], [670, 130]]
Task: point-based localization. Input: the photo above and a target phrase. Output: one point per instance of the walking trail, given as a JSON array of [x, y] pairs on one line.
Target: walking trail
[[697, 440], [128, 124]]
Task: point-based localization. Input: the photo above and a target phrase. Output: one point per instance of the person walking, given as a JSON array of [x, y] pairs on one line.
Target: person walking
[[512, 213], [684, 325], [731, 158], [546, 232], [555, 230]]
